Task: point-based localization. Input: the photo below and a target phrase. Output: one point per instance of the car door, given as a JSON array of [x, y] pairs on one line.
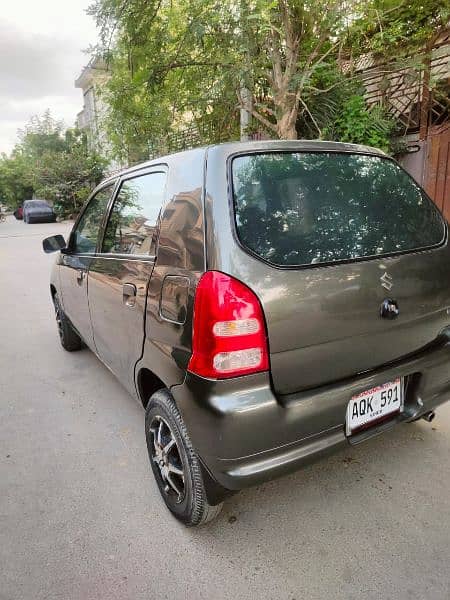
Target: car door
[[76, 260], [119, 275]]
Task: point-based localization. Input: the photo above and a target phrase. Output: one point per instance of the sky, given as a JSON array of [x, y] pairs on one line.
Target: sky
[[41, 55]]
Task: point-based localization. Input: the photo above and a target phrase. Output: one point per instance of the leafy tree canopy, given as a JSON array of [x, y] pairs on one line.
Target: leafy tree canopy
[[393, 27], [40, 135], [194, 60], [197, 62], [52, 163]]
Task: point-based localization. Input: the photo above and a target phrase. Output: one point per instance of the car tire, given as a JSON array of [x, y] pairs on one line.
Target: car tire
[[174, 462], [70, 340]]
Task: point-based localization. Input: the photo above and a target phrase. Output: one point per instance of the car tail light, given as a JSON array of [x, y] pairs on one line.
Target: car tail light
[[229, 332]]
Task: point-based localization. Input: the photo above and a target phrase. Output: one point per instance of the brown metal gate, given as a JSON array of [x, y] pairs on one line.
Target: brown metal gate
[[437, 167]]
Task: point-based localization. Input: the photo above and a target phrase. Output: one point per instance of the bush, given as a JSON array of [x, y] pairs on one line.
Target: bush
[[359, 124]]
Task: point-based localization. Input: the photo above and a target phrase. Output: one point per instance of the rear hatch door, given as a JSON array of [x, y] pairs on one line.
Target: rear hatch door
[[342, 242]]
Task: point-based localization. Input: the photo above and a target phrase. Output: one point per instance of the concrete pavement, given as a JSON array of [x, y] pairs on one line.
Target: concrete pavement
[[80, 517]]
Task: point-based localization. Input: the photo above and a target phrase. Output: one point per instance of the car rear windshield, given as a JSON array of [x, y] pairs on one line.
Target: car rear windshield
[[38, 204], [303, 208]]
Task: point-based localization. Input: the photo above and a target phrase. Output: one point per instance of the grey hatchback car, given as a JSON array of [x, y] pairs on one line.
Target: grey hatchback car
[[266, 303]]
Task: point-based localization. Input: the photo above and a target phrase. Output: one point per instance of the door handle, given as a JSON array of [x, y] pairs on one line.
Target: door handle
[[129, 294], [80, 276]]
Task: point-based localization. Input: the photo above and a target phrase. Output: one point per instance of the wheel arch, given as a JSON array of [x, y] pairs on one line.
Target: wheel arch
[[147, 384]]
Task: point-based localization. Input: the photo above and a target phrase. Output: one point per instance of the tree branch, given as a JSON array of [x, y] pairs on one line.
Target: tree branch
[[311, 117], [268, 124], [191, 63], [265, 108], [154, 15], [274, 53], [264, 121], [291, 41]]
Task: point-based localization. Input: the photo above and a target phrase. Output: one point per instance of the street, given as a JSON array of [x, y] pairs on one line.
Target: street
[[81, 518]]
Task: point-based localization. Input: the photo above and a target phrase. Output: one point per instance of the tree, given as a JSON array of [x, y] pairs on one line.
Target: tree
[[178, 61], [15, 185], [166, 63], [297, 42], [40, 135], [200, 61], [390, 28], [66, 178], [52, 163]]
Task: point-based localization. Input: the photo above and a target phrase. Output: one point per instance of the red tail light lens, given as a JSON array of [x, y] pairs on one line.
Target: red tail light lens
[[229, 333]]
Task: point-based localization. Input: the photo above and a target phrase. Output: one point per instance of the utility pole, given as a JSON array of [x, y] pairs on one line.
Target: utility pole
[[246, 91], [246, 113]]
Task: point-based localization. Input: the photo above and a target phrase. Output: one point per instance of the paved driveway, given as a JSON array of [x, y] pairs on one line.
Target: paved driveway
[[80, 517]]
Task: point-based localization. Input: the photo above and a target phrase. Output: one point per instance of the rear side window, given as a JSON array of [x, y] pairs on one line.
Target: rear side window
[[302, 208], [134, 215]]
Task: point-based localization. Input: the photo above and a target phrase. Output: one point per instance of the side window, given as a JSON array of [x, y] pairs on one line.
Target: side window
[[135, 212], [84, 238]]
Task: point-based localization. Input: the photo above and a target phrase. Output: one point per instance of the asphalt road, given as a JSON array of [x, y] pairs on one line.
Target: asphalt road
[[80, 517]]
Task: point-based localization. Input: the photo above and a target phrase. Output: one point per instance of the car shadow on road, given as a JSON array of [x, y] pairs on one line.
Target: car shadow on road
[[381, 467]]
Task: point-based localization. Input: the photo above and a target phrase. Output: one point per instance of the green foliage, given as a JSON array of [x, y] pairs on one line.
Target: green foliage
[[358, 124], [50, 163], [393, 27], [187, 62], [15, 185], [192, 64], [41, 135], [169, 71], [66, 178], [324, 107]]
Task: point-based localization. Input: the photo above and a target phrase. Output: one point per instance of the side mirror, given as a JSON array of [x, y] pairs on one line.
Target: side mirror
[[53, 244]]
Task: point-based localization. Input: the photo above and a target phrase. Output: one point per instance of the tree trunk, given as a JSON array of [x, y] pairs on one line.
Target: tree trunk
[[283, 50], [286, 109], [286, 125]]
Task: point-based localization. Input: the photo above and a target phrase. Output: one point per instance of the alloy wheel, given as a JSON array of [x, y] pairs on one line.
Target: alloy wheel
[[166, 455], [58, 318]]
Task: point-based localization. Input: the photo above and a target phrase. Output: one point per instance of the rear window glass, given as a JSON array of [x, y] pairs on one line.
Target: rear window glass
[[304, 208]]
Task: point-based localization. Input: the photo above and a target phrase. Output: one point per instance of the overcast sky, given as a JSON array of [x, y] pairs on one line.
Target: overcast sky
[[41, 54]]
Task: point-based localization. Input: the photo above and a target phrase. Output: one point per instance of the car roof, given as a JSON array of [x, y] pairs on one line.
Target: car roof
[[228, 148], [298, 145]]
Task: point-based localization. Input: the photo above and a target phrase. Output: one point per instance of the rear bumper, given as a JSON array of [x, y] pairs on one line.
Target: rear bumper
[[47, 218], [245, 435]]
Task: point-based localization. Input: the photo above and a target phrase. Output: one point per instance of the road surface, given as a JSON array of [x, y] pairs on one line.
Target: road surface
[[80, 517]]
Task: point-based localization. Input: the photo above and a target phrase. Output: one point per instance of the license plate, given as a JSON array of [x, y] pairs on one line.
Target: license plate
[[374, 405]]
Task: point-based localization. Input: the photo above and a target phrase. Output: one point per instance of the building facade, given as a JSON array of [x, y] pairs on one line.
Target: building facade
[[90, 119]]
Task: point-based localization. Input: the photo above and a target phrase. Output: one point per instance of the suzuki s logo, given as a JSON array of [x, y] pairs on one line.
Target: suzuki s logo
[[386, 281]]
